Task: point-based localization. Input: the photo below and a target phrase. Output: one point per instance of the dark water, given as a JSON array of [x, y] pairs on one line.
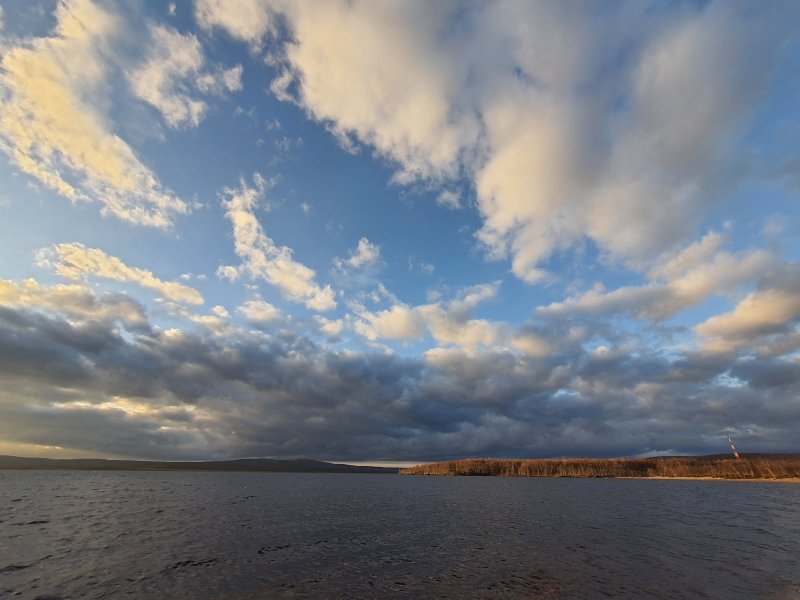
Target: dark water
[[229, 535]]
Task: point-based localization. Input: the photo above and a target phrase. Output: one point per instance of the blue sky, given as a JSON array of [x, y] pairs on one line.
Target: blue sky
[[398, 231]]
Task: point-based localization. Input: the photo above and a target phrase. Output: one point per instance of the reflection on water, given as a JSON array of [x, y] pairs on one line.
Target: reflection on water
[[251, 535]]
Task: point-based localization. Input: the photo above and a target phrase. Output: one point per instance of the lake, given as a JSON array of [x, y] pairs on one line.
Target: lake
[[87, 534]]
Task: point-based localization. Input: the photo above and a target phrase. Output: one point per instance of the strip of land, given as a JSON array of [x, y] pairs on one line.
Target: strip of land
[[303, 465], [772, 467]]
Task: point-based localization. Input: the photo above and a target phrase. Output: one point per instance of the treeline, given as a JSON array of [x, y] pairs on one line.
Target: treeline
[[761, 467]]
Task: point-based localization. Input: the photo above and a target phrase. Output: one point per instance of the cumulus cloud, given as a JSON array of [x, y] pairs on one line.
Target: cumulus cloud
[[331, 328], [73, 380], [74, 301], [77, 262], [175, 65], [623, 136], [246, 20], [262, 258], [689, 282], [451, 323], [449, 199], [771, 310], [385, 83], [364, 255], [259, 311], [51, 130]]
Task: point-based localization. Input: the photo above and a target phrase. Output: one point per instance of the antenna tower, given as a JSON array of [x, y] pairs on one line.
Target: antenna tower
[[733, 448]]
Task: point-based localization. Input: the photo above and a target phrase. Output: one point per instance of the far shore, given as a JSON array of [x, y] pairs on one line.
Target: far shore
[[749, 480], [783, 468], [246, 465]]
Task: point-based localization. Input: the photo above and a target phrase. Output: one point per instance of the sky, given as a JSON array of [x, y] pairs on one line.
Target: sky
[[399, 231]]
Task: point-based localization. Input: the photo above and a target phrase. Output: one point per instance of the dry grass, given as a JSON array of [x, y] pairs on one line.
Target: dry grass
[[761, 467]]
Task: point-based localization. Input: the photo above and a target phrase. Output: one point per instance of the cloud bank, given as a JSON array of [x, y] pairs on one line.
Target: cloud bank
[[74, 361]]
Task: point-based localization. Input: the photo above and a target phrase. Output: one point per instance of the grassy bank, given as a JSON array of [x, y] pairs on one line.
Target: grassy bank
[[759, 467]]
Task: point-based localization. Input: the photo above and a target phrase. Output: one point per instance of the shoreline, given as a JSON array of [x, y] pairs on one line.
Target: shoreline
[[776, 467], [743, 479]]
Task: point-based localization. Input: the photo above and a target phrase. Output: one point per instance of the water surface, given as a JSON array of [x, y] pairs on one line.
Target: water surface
[[264, 535]]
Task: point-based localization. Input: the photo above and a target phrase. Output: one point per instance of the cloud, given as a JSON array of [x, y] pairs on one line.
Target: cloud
[[421, 266], [217, 322], [52, 131], [175, 65], [331, 328], [692, 282], [262, 259], [365, 254], [449, 199], [626, 136], [77, 262], [258, 311], [390, 57], [674, 266], [771, 310], [74, 301], [452, 323], [89, 373], [245, 20], [399, 322]]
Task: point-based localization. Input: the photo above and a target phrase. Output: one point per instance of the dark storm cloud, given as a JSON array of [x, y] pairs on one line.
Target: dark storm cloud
[[107, 386], [761, 373]]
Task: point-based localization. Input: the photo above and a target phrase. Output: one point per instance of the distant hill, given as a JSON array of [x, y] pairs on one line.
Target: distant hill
[[302, 465]]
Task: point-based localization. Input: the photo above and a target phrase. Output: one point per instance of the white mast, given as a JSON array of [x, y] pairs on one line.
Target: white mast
[[730, 441]]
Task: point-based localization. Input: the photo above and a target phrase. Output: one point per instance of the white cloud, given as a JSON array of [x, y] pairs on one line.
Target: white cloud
[[280, 87], [77, 262], [331, 328], [772, 309], [452, 323], [175, 64], [262, 258], [621, 136], [365, 254], [216, 323], [399, 322], [535, 346], [449, 199], [51, 130], [692, 282], [259, 311], [77, 301], [385, 83], [246, 20], [675, 266], [220, 311]]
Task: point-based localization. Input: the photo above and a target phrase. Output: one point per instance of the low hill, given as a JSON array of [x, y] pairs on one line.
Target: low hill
[[757, 466], [303, 465]]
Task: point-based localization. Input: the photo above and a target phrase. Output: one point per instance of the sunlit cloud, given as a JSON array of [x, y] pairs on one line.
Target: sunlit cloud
[[77, 262], [175, 64], [262, 258], [52, 131]]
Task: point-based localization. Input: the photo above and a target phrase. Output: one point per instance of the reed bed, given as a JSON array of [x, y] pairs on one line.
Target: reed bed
[[769, 467]]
